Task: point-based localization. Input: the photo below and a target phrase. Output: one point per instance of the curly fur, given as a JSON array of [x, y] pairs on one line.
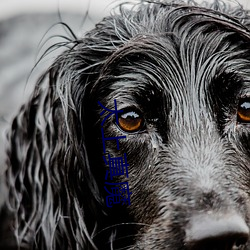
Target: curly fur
[[184, 67]]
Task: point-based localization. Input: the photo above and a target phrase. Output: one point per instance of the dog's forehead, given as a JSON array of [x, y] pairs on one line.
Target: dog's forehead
[[176, 64], [187, 53], [181, 59]]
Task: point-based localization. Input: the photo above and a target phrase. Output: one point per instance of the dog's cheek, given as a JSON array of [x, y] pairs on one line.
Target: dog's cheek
[[144, 182], [141, 161], [146, 174]]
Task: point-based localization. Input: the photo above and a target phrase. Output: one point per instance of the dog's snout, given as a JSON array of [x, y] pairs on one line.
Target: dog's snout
[[222, 232]]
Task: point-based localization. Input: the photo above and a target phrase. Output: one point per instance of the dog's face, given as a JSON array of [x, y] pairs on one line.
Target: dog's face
[[185, 96], [181, 76]]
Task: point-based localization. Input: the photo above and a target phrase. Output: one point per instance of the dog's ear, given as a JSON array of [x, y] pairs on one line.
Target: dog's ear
[[42, 165], [49, 176]]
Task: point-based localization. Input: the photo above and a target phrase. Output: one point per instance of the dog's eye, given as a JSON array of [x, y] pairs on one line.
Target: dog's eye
[[130, 121], [243, 113]]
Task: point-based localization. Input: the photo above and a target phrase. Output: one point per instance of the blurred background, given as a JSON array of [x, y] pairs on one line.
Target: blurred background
[[25, 26]]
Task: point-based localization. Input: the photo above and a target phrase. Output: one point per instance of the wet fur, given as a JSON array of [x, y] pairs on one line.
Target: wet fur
[[185, 68]]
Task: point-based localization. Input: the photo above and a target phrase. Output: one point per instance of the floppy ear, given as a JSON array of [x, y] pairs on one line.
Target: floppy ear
[[47, 169], [52, 189]]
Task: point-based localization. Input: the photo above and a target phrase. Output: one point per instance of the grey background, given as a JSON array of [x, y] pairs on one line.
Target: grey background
[[25, 27]]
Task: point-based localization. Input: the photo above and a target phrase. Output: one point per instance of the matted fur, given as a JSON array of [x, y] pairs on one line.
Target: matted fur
[[184, 67]]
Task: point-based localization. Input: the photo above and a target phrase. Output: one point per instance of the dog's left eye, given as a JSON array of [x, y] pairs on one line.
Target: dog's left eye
[[243, 113], [131, 121]]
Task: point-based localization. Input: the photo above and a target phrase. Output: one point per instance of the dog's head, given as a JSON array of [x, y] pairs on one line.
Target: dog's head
[[181, 76]]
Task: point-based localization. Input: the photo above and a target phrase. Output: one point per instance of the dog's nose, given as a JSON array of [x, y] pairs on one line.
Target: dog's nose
[[217, 232]]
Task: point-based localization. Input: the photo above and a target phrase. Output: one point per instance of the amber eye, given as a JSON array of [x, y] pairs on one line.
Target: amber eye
[[243, 113], [130, 121]]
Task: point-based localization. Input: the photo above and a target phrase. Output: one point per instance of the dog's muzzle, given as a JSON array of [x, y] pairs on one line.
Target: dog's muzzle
[[217, 232]]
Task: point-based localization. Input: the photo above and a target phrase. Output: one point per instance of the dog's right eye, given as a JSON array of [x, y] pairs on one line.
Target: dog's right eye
[[243, 113], [131, 121]]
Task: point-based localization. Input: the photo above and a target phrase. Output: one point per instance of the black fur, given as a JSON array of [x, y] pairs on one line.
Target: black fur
[[184, 69]]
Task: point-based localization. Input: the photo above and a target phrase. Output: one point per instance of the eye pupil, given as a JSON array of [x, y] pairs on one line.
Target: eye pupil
[[243, 113], [130, 121]]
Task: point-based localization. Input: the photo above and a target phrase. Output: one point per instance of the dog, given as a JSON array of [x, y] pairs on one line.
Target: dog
[[161, 90]]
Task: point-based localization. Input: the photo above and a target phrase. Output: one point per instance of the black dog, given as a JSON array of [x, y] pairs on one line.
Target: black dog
[[165, 88]]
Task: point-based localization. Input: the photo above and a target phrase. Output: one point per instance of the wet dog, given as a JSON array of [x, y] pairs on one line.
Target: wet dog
[[161, 88]]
